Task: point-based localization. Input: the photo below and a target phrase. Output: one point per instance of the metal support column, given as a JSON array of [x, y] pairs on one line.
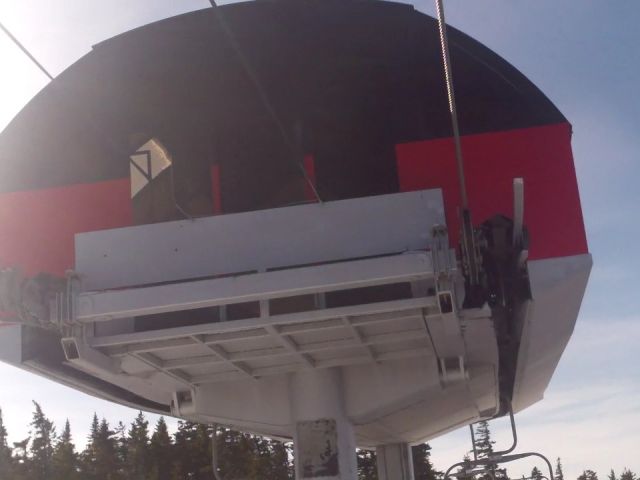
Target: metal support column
[[324, 441], [395, 461]]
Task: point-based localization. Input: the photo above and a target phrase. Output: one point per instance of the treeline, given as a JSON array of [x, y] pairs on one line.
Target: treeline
[[139, 452], [484, 449], [135, 452]]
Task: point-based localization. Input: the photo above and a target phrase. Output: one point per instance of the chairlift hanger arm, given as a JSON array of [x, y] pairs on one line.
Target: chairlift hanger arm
[[503, 456], [492, 461], [514, 434]]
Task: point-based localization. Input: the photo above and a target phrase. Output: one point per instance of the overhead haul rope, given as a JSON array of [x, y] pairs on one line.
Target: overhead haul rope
[[25, 51], [468, 238], [448, 75], [264, 98]]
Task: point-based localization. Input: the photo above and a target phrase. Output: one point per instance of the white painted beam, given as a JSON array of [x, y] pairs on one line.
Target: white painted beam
[[360, 314], [125, 303]]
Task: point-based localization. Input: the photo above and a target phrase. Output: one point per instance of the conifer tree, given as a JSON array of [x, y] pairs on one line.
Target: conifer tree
[[5, 451], [192, 457], [588, 475], [120, 445], [259, 457], [138, 448], [20, 462], [484, 444], [536, 474], [422, 466], [269, 459], [367, 465], [99, 459], [180, 442], [280, 468], [559, 473], [43, 433], [65, 459], [203, 436], [132, 455], [484, 449], [160, 452], [259, 461], [88, 464], [236, 453], [107, 460]]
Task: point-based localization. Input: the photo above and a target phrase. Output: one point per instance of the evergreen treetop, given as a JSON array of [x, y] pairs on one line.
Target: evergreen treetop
[[423, 469], [133, 454], [536, 474], [5, 451], [42, 444], [160, 452], [483, 442], [588, 475], [65, 460], [138, 448], [559, 473]]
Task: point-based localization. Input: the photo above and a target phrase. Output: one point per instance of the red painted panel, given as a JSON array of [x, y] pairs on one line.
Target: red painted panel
[[37, 227], [310, 169], [540, 155], [216, 193]]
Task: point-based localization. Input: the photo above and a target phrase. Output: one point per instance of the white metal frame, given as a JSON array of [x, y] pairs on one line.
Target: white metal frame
[[350, 347], [303, 250], [125, 303]]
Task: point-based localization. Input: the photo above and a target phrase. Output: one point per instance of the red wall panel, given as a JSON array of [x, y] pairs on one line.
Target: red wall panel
[[540, 155], [37, 227]]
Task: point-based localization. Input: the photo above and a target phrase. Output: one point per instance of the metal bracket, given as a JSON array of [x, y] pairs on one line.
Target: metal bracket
[[62, 305], [182, 403], [451, 361], [82, 355], [444, 261], [452, 370]]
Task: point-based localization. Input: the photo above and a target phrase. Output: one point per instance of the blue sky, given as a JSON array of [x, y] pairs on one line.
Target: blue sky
[[584, 55]]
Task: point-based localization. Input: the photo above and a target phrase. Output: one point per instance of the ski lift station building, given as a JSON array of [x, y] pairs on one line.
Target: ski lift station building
[[249, 215]]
